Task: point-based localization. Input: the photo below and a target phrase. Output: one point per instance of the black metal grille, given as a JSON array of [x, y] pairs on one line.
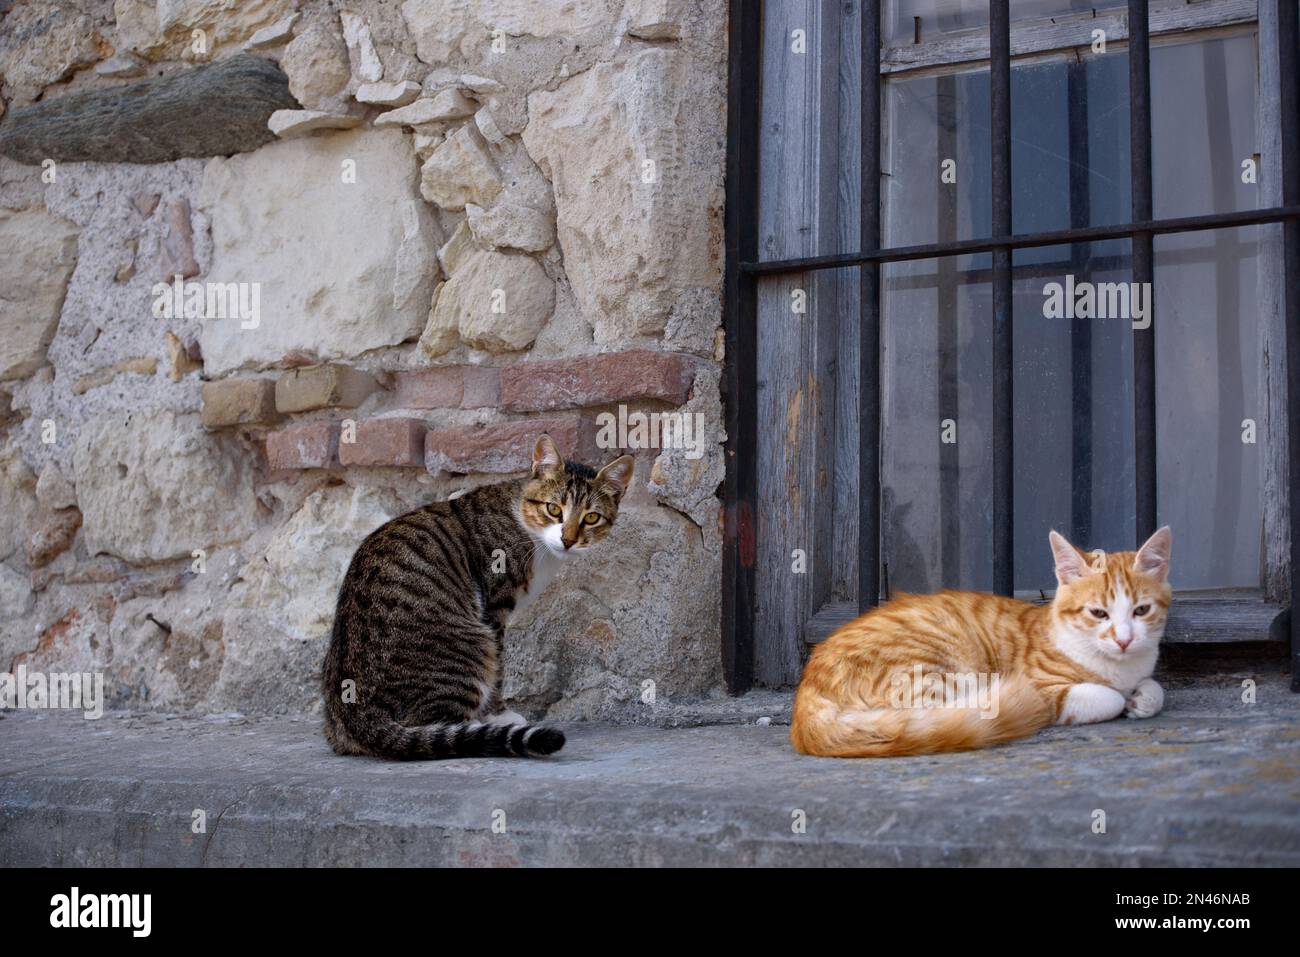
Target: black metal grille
[[743, 270]]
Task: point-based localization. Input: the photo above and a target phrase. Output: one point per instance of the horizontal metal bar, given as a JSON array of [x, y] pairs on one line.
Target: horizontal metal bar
[[1060, 237]]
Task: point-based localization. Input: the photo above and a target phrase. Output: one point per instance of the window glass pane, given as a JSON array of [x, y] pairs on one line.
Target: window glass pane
[[1073, 428], [1207, 383], [1073, 377], [1203, 129], [947, 16], [1202, 126]]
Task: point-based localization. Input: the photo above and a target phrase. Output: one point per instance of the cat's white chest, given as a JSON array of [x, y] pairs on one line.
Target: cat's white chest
[[545, 567]]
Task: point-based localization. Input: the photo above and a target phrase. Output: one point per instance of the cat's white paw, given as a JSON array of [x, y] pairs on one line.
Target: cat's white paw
[[1090, 703], [507, 717], [1145, 701]]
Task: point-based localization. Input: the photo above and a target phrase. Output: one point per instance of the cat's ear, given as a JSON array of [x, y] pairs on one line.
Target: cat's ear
[[617, 474], [546, 457], [1153, 557], [1071, 564]]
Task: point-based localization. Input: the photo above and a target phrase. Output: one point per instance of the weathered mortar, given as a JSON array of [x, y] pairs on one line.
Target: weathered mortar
[[577, 150]]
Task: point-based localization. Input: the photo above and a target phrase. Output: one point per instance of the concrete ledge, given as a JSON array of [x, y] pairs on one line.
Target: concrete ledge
[[1209, 782]]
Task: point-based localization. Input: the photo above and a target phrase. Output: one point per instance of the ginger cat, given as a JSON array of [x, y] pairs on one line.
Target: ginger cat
[[960, 670]]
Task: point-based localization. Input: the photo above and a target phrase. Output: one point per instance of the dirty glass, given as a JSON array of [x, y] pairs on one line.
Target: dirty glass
[[1073, 377]]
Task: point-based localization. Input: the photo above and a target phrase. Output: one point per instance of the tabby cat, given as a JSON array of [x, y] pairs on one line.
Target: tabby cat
[[414, 667], [1086, 657]]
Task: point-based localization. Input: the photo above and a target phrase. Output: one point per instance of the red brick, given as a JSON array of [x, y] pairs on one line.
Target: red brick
[[447, 387], [598, 380], [501, 448], [482, 388], [312, 445], [395, 441], [437, 388]]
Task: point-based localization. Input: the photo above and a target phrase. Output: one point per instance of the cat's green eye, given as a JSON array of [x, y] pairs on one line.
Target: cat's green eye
[[1098, 613], [1141, 610], [554, 510], [591, 518]]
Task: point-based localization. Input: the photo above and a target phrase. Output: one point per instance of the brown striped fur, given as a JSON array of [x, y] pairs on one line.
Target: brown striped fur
[[414, 668], [848, 705]]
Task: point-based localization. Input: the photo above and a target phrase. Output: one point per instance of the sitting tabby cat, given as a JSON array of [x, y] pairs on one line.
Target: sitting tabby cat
[[1086, 657], [423, 608]]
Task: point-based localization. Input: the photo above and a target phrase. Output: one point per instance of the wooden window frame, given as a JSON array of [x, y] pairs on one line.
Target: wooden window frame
[[1210, 620]]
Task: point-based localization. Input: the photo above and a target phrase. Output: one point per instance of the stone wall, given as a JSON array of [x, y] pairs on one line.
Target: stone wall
[[446, 226]]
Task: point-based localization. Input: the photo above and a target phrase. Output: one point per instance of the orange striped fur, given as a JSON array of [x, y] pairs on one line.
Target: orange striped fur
[[1053, 663]]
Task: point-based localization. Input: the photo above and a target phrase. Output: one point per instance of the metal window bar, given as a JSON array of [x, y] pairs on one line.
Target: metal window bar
[[743, 269], [1288, 45], [869, 341], [1144, 348], [1003, 416], [740, 319]]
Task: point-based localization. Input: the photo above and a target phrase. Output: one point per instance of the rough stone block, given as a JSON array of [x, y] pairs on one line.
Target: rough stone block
[[636, 251], [154, 486], [495, 302], [329, 299], [213, 110], [395, 93], [459, 171], [290, 123], [40, 252], [53, 537]]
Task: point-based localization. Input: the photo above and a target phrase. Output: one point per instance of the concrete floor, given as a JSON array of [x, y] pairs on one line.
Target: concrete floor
[[1211, 781]]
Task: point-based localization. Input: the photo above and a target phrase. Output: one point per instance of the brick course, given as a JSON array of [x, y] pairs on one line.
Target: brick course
[[583, 381], [504, 447]]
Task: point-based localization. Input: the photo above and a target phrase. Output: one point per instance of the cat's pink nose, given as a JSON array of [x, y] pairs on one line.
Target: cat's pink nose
[[1123, 643]]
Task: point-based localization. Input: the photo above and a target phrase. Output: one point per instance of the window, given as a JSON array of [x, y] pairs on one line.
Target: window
[[962, 418]]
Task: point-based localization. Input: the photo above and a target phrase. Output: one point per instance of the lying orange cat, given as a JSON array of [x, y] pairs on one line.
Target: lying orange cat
[[961, 670]]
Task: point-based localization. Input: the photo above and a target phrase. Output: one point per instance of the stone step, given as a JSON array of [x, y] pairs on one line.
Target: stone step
[[1211, 781]]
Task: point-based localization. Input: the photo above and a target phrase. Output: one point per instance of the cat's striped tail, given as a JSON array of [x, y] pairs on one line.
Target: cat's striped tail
[[820, 727], [380, 735]]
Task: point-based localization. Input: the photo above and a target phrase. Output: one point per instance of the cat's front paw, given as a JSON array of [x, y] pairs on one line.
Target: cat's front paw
[[1146, 700]]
